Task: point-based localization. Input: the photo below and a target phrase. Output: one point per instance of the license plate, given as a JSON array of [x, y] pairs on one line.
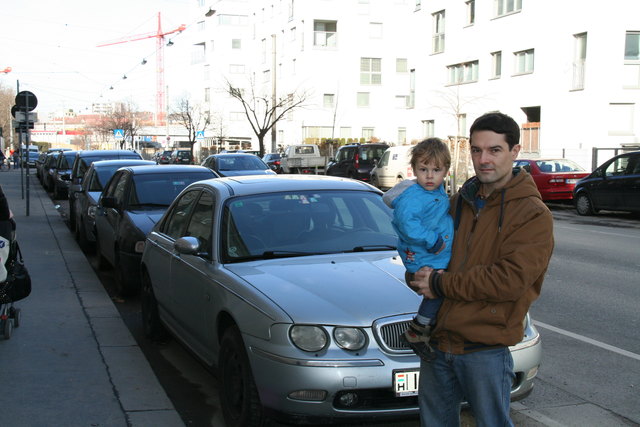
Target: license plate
[[571, 181], [405, 383]]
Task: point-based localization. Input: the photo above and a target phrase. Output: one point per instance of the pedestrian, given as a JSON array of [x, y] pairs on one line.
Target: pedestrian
[[501, 249], [16, 157], [7, 226], [425, 230], [3, 158]]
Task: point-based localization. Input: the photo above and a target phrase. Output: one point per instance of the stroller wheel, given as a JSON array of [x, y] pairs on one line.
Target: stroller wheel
[[15, 314], [7, 327]]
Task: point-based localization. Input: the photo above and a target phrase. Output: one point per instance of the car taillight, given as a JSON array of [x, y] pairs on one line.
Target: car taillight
[[357, 161]]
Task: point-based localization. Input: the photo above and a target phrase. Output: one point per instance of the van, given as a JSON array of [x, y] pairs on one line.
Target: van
[[394, 166]]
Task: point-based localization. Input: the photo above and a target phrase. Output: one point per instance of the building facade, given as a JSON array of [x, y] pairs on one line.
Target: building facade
[[402, 70]]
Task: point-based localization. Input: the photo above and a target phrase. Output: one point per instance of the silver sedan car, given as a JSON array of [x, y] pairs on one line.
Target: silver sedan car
[[291, 287]]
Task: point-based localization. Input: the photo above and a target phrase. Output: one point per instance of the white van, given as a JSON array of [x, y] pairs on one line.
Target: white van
[[394, 166]]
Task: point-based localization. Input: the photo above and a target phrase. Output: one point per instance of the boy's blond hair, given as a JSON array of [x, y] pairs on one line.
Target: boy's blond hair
[[431, 150]]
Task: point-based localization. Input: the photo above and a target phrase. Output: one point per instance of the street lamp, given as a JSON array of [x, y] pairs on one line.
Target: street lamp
[[210, 12]]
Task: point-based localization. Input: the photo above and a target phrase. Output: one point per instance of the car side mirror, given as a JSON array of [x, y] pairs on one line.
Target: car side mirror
[[188, 246], [109, 202]]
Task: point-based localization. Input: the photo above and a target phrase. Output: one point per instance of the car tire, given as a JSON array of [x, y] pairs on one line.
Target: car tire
[[583, 205], [151, 324], [374, 181], [240, 402]]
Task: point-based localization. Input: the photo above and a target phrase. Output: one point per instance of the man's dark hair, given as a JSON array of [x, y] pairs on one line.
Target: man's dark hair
[[499, 123]]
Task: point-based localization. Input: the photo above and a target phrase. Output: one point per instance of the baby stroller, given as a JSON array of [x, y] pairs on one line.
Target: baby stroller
[[16, 283]]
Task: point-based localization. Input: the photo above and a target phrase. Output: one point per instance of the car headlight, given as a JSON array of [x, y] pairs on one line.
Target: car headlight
[[308, 337], [350, 338]]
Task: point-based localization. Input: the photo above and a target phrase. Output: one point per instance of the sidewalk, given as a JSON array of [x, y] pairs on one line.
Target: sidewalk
[[72, 361]]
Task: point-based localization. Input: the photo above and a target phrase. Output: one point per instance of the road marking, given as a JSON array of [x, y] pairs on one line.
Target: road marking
[[598, 232], [588, 340]]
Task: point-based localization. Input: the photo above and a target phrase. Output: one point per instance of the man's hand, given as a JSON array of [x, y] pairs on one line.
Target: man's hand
[[421, 282]]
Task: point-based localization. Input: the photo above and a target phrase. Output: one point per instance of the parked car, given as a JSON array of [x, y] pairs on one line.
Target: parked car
[[290, 285], [39, 164], [273, 160], [62, 174], [236, 164], [181, 157], [393, 167], [81, 164], [164, 157], [555, 178], [49, 169], [95, 179], [614, 186], [356, 160], [130, 204]]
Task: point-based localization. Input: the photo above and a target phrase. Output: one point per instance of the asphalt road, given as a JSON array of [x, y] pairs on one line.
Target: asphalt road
[[587, 316]]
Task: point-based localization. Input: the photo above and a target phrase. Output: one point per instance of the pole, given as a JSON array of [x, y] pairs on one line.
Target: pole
[[273, 92]]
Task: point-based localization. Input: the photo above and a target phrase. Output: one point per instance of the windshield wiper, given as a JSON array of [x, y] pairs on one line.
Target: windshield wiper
[[370, 248], [287, 254]]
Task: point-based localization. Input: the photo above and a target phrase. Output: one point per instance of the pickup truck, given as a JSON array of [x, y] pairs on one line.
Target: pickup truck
[[303, 158]]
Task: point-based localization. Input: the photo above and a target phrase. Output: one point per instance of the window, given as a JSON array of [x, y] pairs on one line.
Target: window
[[401, 65], [579, 59], [363, 99], [496, 65], [402, 135], [412, 89], [370, 71], [200, 225], [428, 128], [266, 76], [524, 62], [325, 33], [471, 11], [466, 72], [206, 75], [631, 74], [263, 50], [236, 44], [197, 53], [201, 26], [177, 219], [375, 30], [236, 68], [506, 7], [418, 4], [232, 20], [438, 32], [327, 100], [402, 101], [207, 94], [367, 133]]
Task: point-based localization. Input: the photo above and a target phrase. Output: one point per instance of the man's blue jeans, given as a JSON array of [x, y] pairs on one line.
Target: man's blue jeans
[[482, 378]]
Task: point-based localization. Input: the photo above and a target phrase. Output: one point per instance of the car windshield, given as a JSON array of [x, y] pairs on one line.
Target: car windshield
[[367, 154], [558, 165], [240, 163], [159, 189], [305, 223]]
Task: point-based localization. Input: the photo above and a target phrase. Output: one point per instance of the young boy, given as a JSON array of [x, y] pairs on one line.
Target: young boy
[[425, 230]]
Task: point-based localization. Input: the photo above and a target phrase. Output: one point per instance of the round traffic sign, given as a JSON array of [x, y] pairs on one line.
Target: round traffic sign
[[26, 100]]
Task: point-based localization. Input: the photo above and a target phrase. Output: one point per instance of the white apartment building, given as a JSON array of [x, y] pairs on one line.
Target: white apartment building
[[401, 70]]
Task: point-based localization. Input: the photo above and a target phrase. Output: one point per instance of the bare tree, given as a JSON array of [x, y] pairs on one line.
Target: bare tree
[[192, 118], [123, 117], [263, 112], [7, 99]]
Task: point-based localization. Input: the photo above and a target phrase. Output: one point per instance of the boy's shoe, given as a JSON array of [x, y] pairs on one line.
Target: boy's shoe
[[417, 338]]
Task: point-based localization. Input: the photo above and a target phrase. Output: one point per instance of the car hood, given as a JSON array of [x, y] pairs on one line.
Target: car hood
[[144, 220], [341, 289], [246, 172]]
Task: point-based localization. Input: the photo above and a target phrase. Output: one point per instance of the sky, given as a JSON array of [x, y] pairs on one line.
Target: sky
[[51, 47]]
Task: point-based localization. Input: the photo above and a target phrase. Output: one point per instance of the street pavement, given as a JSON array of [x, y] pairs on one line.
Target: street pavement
[[72, 361]]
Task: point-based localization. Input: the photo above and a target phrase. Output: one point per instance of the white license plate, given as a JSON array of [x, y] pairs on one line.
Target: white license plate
[[571, 181], [405, 383]]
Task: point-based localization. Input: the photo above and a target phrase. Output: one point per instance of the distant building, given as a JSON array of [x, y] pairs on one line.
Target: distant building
[[403, 70]]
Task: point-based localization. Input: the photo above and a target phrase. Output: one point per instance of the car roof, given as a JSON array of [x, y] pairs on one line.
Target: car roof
[[149, 169], [100, 153], [232, 155], [261, 184], [123, 162]]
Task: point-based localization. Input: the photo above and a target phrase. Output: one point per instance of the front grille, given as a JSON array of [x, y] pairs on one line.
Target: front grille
[[387, 332]]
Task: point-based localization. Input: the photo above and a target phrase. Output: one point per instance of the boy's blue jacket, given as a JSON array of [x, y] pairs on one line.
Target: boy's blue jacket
[[421, 219]]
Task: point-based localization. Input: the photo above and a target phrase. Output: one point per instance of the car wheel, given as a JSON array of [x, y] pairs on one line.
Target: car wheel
[[583, 205], [151, 324], [374, 181], [240, 402], [103, 264], [125, 285]]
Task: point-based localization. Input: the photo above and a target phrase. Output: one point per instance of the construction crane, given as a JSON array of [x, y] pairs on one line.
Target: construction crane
[[160, 88]]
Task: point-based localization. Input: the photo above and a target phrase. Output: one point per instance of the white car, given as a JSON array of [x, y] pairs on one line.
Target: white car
[[291, 286]]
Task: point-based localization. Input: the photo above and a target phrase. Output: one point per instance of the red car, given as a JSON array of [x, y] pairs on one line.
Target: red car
[[555, 178]]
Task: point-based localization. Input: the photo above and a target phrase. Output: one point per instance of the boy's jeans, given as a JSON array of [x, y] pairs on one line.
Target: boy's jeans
[[482, 378]]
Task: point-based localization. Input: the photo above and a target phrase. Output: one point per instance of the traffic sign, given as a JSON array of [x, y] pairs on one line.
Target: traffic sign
[[26, 100], [118, 133], [200, 135]]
